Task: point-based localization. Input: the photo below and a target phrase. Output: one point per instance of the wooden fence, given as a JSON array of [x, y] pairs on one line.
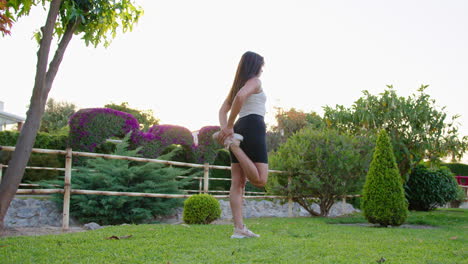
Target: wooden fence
[[67, 191]]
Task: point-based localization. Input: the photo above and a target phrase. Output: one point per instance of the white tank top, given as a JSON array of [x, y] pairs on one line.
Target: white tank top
[[255, 104]]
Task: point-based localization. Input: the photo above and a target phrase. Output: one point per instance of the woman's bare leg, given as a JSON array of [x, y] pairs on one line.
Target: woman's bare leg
[[236, 194], [257, 173]]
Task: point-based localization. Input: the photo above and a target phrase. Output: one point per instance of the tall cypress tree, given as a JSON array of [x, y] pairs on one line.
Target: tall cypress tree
[[384, 200]]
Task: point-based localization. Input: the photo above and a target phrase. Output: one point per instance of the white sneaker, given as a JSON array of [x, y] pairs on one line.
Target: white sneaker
[[235, 139], [243, 233]]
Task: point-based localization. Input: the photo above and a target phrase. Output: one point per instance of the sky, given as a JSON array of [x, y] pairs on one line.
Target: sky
[[181, 57]]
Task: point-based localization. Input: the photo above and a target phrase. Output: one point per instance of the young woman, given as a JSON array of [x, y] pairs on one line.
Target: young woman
[[246, 138]]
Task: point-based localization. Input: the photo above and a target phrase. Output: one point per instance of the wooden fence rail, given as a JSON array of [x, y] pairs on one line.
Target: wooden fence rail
[[67, 191]]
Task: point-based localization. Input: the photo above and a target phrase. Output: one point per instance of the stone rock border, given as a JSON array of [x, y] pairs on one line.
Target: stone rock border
[[39, 213]]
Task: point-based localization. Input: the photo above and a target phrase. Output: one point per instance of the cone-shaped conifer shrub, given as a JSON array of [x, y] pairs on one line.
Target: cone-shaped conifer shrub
[[383, 200]]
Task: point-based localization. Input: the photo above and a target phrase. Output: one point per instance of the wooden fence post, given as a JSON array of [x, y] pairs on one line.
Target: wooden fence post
[[200, 185], [290, 204], [206, 177], [66, 189]]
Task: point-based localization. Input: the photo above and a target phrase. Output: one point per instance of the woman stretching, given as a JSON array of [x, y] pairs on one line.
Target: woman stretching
[[246, 138]]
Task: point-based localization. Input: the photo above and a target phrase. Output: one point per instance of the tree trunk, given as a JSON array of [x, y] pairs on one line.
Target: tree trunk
[[325, 204], [302, 202], [20, 157]]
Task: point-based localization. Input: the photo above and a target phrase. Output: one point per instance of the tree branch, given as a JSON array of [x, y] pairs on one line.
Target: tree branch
[[57, 60], [44, 47]]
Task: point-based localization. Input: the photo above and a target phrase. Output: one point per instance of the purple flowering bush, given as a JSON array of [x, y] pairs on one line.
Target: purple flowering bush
[[172, 134], [207, 148], [90, 127], [159, 137], [150, 144]]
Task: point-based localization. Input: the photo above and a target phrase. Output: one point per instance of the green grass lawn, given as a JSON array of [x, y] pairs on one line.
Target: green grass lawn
[[283, 240]]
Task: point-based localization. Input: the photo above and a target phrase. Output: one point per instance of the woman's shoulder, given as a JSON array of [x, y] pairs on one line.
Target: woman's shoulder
[[255, 81]]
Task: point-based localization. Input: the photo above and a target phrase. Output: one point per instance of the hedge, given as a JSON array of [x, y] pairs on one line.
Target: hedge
[[459, 169], [43, 141]]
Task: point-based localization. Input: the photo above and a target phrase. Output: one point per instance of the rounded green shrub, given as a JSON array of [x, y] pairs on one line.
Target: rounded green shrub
[[201, 209], [383, 200], [323, 164], [428, 188]]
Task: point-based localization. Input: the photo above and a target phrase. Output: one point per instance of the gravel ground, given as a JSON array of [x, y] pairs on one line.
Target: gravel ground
[[53, 230], [39, 231]]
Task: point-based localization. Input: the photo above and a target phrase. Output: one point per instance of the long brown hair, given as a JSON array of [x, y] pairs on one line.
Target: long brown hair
[[249, 66]]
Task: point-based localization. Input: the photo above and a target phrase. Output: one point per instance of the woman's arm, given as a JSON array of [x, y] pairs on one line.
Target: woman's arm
[[223, 113], [227, 125]]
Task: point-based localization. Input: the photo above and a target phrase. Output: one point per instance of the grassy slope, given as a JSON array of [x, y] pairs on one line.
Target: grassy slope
[[296, 240]]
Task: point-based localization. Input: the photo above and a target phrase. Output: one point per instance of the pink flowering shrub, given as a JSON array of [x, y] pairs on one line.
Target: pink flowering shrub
[[89, 128], [172, 134], [207, 148], [92, 126], [159, 137]]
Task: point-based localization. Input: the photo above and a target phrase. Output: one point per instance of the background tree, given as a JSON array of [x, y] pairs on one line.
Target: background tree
[[6, 21], [417, 128], [292, 120], [289, 122], [56, 116], [145, 117], [97, 21]]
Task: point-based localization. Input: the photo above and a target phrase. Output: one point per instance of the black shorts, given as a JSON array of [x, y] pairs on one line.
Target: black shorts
[[253, 129]]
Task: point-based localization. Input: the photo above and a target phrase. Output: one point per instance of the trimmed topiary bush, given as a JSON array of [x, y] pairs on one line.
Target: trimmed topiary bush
[[428, 188], [172, 134], [150, 145], [179, 153], [206, 150], [383, 200], [154, 142], [201, 209], [89, 128]]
